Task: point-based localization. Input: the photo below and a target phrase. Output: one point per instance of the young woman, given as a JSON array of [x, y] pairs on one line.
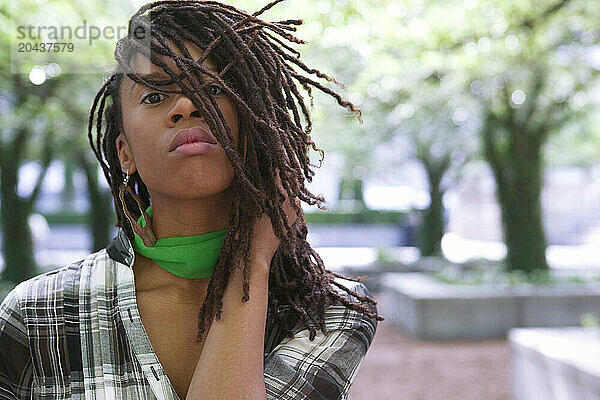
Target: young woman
[[210, 289]]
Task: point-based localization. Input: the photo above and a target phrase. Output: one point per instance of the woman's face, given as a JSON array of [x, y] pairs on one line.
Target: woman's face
[[165, 139]]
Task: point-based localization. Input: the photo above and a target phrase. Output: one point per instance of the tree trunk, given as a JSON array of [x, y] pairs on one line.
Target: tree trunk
[[518, 174], [522, 220], [68, 193], [352, 189], [433, 226], [17, 250], [433, 219], [100, 215]]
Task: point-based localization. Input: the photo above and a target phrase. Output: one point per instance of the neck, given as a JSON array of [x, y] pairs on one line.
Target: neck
[[183, 217], [177, 217], [150, 278]]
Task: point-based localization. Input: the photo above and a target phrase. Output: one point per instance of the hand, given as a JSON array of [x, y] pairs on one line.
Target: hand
[[265, 242]]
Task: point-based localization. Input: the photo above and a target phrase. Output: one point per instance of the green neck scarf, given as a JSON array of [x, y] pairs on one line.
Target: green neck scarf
[[192, 256]]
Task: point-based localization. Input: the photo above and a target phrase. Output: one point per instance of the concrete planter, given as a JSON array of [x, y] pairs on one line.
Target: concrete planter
[[374, 273], [432, 310], [555, 364]]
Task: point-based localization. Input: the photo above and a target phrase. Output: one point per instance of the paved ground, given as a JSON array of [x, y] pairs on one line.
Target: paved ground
[[400, 368]]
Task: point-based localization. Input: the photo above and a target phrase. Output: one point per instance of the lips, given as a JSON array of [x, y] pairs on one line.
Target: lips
[[191, 135]]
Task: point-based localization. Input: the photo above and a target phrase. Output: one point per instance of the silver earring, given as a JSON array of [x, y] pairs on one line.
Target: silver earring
[[146, 233], [126, 181]]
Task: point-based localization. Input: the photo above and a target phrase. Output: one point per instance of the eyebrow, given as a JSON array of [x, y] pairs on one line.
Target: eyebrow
[[156, 75]]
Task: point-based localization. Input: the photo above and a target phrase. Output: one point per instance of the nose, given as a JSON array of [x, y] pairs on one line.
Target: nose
[[183, 108]]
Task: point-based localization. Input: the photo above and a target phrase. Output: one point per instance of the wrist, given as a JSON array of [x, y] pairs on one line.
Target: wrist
[[259, 269], [260, 266]]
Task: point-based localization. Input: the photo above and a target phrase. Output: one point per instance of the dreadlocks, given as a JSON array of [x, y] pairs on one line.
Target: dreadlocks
[[257, 71]]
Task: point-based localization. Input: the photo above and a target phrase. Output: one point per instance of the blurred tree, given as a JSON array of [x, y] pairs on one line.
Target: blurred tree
[[399, 88], [44, 98], [68, 193], [410, 109], [442, 139], [77, 152], [529, 68], [24, 122]]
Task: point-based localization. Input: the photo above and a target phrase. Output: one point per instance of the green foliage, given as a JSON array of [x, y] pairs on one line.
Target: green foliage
[[45, 119], [590, 321], [492, 274], [384, 257], [428, 76]]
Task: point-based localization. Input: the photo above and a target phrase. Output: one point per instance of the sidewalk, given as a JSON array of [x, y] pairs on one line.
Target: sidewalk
[[397, 367]]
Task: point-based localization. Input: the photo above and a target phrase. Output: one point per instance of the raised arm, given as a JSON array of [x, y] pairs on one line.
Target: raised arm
[[231, 363]]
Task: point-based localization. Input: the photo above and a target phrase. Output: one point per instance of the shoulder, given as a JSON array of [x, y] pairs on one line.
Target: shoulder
[[45, 287], [11, 314], [325, 366], [40, 317], [36, 302], [354, 286], [47, 294], [13, 328], [34, 328], [30, 315], [341, 317]]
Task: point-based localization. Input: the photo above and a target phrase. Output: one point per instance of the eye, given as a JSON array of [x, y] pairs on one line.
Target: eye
[[154, 98], [214, 90]]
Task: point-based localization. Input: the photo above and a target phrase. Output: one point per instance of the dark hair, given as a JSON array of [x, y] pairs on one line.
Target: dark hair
[[257, 71]]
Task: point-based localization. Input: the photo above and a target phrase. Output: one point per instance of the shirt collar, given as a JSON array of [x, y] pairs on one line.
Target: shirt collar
[[120, 249]]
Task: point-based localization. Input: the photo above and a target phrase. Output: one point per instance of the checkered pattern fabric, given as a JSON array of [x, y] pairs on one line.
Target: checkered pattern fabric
[[76, 333]]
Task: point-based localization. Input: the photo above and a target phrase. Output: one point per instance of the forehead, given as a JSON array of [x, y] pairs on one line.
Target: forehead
[[144, 67]]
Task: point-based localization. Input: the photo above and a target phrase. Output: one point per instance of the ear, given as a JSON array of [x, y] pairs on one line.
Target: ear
[[125, 154]]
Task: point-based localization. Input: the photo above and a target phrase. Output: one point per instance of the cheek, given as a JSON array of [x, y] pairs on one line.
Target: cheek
[[151, 168], [230, 114], [141, 137]]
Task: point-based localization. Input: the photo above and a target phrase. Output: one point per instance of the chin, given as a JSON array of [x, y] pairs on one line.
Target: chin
[[191, 183], [202, 189]]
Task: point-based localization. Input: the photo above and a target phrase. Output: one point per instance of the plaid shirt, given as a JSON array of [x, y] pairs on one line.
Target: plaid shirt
[[76, 333]]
